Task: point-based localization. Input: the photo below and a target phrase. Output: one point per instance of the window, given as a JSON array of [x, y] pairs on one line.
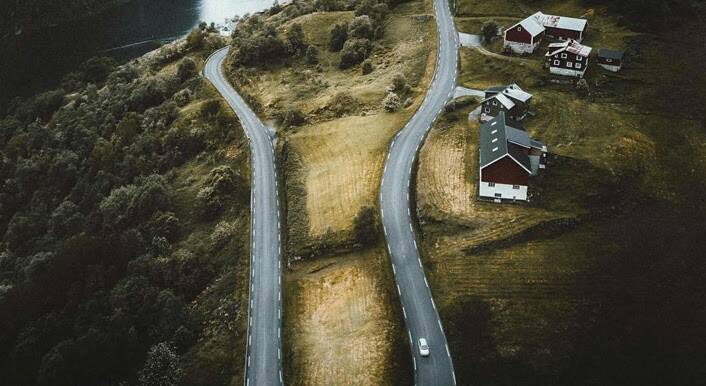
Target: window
[[515, 186], [494, 140], [495, 103], [556, 62], [578, 65], [519, 28], [491, 184], [498, 195], [556, 56], [609, 60], [579, 58], [487, 109], [569, 64], [563, 56]]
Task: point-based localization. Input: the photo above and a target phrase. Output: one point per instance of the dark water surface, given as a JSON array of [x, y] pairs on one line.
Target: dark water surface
[[37, 59]]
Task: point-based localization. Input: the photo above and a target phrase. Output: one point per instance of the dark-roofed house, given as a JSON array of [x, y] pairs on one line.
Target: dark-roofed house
[[611, 60], [508, 157], [568, 58], [510, 99]]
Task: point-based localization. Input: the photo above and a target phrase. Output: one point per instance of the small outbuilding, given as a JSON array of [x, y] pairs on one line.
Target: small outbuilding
[[611, 60], [508, 158], [512, 100]]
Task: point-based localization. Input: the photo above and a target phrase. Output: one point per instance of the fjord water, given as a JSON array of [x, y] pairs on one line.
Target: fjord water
[[37, 59]]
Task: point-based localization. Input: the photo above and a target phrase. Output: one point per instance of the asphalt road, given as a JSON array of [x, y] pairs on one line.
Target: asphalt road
[[421, 317], [263, 363]]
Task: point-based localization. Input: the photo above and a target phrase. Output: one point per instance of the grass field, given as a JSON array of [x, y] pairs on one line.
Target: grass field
[[584, 284], [340, 327], [334, 161]]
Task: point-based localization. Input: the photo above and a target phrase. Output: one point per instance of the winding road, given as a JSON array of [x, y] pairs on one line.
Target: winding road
[[418, 307], [263, 363]]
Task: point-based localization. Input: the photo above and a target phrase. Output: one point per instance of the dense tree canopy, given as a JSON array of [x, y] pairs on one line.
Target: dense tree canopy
[[88, 280]]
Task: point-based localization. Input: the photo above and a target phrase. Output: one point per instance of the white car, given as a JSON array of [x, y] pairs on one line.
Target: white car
[[423, 347]]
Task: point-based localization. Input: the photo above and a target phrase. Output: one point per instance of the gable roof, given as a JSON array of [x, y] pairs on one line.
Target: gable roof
[[511, 91], [505, 101], [530, 25], [562, 22], [612, 54], [569, 46], [495, 139], [515, 92]]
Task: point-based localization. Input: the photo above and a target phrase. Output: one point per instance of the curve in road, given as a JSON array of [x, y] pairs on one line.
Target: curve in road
[[418, 307], [263, 363]]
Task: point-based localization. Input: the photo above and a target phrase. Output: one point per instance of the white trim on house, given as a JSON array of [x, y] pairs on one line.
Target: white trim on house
[[566, 71], [520, 48], [609, 67], [505, 191]]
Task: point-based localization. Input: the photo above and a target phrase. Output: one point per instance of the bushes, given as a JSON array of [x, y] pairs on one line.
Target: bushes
[[391, 103], [342, 103], [354, 51], [399, 84], [161, 367], [339, 35], [96, 70], [367, 67], [186, 69], [255, 43], [221, 184], [328, 5], [195, 39], [292, 117], [312, 55], [489, 31], [366, 229], [294, 42], [361, 27], [222, 234]]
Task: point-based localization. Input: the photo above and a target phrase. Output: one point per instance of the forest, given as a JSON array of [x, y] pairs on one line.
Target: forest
[[96, 284]]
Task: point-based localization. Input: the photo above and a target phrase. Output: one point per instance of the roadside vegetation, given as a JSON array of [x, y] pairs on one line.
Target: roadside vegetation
[[124, 215], [592, 282], [340, 79]]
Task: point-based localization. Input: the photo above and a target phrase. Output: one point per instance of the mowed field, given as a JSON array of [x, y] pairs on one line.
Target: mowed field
[[334, 161], [340, 327], [572, 288]]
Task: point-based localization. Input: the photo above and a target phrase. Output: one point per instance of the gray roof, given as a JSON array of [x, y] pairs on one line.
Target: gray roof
[[513, 91], [495, 137], [612, 54], [563, 22]]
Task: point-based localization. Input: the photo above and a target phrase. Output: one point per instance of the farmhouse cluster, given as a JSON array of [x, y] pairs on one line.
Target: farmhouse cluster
[[566, 56], [508, 156]]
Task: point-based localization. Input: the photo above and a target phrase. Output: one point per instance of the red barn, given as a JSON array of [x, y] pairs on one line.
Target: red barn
[[524, 37], [508, 158], [562, 27]]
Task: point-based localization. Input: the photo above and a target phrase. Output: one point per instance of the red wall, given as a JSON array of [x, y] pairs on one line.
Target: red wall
[[563, 33], [522, 36], [505, 171]]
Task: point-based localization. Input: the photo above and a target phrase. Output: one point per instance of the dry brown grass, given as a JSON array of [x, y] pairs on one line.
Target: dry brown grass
[[340, 160], [342, 163], [340, 327]]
